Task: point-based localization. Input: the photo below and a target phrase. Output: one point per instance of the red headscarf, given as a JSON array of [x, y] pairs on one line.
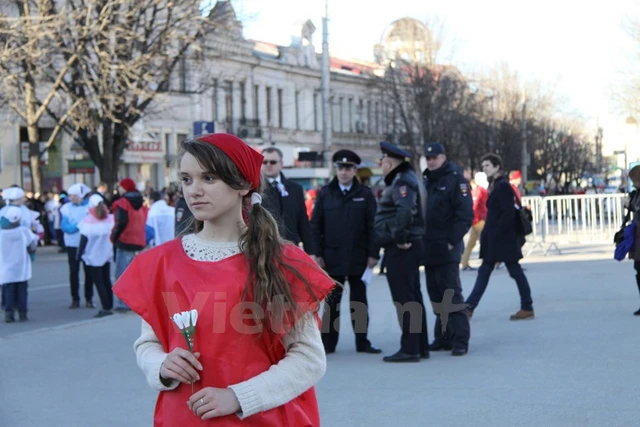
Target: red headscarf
[[248, 160]]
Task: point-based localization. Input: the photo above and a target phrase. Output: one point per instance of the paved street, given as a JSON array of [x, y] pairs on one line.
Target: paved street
[[575, 364]]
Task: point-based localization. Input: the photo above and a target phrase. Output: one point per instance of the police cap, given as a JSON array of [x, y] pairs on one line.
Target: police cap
[[433, 149], [395, 152], [346, 158]]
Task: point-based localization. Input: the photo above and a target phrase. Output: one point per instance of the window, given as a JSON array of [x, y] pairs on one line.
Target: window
[[243, 101], [341, 114], [269, 106], [369, 117], [228, 102], [315, 111], [350, 114], [280, 115], [214, 101], [297, 102], [168, 152], [180, 137], [256, 102]]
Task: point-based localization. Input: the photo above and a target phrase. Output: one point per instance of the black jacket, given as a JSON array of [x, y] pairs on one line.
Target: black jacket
[[449, 214], [342, 228], [499, 241], [183, 215], [290, 212], [400, 215]]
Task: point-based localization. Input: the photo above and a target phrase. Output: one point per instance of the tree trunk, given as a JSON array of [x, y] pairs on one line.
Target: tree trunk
[[34, 158], [109, 169]]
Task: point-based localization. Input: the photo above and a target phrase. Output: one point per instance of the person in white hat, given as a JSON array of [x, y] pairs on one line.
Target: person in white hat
[[15, 196], [15, 270], [72, 214]]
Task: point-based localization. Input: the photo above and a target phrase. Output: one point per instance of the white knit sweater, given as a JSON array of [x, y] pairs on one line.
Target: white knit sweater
[[301, 368]]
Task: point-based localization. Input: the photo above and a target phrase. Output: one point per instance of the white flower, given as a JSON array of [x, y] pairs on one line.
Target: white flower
[[177, 318], [185, 319], [194, 317]]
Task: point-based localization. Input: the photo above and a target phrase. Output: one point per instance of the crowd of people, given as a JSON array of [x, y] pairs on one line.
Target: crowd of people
[[93, 227]]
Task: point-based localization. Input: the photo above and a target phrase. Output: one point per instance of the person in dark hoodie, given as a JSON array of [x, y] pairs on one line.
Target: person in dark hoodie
[[128, 235]]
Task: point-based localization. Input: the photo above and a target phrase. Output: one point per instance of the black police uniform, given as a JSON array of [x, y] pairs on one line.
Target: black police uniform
[[399, 220], [448, 219], [183, 215], [342, 229]]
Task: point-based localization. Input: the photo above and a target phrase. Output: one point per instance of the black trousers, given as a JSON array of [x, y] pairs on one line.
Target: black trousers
[[358, 308], [403, 276], [101, 276], [74, 277], [439, 279]]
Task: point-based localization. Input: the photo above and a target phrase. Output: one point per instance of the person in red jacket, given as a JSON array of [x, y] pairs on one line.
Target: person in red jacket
[[480, 197], [128, 234]]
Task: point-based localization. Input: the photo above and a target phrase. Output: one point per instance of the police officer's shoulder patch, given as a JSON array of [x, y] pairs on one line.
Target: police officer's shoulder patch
[[464, 189], [403, 191]]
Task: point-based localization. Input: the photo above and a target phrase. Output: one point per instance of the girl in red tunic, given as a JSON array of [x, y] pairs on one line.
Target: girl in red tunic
[[257, 351]]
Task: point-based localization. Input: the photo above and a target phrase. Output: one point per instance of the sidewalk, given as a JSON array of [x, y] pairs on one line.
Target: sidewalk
[[575, 364]]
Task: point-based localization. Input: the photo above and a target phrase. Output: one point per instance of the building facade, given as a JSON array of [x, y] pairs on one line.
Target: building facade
[[266, 94]]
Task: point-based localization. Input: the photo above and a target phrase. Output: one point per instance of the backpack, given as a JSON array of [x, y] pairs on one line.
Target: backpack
[[523, 217]]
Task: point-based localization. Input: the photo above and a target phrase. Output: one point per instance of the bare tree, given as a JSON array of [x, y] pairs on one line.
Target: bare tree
[[131, 59], [28, 33]]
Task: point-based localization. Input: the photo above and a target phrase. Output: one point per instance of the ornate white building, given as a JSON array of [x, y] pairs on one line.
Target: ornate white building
[[266, 94]]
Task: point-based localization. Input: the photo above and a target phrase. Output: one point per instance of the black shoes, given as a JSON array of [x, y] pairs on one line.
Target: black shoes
[[459, 351], [368, 349], [89, 304], [103, 313], [440, 346], [74, 305], [636, 313], [401, 357]]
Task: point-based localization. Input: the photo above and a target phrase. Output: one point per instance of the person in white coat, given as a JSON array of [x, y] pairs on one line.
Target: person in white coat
[[17, 242], [15, 196], [161, 218], [96, 250]]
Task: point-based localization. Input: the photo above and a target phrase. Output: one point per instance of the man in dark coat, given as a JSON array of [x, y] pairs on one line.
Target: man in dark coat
[[399, 229], [183, 219], [342, 228], [499, 241], [285, 200], [449, 216]]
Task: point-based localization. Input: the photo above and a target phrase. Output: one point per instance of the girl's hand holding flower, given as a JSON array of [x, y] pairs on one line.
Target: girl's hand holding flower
[[181, 365]]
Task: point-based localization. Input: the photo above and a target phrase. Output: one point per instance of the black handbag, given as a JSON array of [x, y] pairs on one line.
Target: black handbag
[[523, 217]]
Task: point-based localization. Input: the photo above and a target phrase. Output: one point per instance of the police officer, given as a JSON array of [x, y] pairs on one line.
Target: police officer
[[448, 219], [183, 216], [399, 229], [342, 229]]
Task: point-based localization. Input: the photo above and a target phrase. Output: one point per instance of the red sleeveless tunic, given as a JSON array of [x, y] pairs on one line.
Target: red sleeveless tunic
[[164, 281]]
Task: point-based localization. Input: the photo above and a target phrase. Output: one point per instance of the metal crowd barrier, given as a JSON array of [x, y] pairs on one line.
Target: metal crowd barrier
[[589, 218]]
